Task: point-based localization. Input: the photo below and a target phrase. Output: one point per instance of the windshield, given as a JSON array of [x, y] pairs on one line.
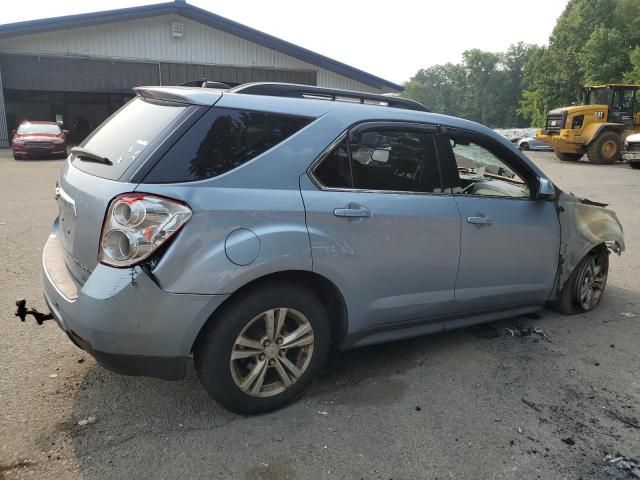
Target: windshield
[[39, 128], [125, 135], [598, 96]]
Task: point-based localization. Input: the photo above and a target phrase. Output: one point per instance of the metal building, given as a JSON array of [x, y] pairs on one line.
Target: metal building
[[79, 69]]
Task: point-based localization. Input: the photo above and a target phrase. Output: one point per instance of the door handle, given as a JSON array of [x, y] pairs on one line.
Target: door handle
[[480, 220], [352, 212]]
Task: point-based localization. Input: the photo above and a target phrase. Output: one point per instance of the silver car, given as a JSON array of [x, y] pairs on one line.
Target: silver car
[[531, 143], [254, 228]]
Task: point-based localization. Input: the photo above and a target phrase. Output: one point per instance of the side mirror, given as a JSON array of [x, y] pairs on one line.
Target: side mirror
[[546, 190], [381, 156], [14, 131], [66, 132]]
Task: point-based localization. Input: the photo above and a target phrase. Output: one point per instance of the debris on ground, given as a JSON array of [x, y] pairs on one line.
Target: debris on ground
[[531, 404], [323, 412], [87, 421], [418, 408], [81, 360], [519, 331], [569, 441], [53, 375], [632, 422], [628, 314], [626, 464]]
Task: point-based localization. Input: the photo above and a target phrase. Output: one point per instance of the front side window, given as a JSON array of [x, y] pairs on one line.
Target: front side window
[[482, 172], [222, 140], [392, 160], [598, 96]]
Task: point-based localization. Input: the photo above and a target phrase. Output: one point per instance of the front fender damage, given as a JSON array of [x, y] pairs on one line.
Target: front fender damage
[[584, 225]]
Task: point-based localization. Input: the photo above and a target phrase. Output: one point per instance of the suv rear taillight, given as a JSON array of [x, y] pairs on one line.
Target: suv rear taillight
[[136, 225]]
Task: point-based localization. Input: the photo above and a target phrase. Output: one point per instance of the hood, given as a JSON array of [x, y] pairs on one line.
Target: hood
[[635, 138], [29, 137], [573, 109]]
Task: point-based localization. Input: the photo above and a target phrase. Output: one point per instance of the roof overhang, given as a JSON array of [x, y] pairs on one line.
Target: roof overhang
[[205, 17]]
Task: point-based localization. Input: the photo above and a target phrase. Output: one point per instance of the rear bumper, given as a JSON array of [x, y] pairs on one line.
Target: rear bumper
[[123, 319]]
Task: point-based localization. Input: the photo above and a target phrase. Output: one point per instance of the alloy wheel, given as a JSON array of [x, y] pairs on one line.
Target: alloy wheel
[[591, 282], [272, 352]]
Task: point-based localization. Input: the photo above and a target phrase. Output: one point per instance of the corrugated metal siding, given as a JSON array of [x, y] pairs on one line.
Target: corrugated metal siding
[[150, 39], [4, 133], [60, 74], [178, 73]]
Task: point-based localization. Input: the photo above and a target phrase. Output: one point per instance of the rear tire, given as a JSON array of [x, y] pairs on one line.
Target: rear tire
[[568, 157], [606, 148], [248, 367], [589, 276]]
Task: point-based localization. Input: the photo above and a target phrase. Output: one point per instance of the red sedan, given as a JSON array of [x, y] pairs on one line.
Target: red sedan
[[39, 138]]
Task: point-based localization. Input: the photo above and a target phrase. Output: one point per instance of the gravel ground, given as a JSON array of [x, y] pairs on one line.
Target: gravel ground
[[474, 403]]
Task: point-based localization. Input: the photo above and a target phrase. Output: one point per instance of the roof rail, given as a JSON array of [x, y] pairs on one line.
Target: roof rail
[[273, 89]]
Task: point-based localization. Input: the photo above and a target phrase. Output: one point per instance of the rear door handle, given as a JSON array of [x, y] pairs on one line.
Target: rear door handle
[[480, 220], [352, 212]]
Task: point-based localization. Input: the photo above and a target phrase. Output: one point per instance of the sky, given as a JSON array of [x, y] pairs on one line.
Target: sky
[[392, 40]]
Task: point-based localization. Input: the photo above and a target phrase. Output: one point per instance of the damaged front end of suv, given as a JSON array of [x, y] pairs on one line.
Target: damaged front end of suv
[[589, 232]]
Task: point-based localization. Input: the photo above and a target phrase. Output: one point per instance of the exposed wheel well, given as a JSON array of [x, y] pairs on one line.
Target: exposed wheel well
[[326, 290]]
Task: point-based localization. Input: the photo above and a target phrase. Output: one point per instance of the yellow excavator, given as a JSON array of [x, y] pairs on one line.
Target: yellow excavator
[[598, 127]]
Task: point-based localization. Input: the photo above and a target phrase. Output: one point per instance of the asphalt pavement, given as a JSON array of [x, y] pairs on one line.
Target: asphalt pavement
[[477, 403]]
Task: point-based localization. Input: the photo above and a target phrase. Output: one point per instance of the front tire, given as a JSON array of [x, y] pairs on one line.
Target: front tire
[[524, 146], [635, 165], [263, 349], [584, 289], [568, 157], [606, 148]]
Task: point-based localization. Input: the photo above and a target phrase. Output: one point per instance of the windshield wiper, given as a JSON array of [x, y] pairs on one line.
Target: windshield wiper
[[89, 156]]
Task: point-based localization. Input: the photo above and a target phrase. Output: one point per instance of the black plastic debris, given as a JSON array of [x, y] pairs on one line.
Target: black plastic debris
[[519, 331], [569, 441], [625, 464]]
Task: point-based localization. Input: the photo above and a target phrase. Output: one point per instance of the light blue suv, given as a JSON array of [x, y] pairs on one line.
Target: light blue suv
[[258, 226]]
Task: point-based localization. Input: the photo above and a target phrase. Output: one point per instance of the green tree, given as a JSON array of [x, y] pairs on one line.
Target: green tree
[[589, 44], [604, 58], [484, 87]]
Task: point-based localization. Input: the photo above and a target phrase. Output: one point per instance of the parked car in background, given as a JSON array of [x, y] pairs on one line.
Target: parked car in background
[[257, 226], [530, 143], [36, 138], [631, 151]]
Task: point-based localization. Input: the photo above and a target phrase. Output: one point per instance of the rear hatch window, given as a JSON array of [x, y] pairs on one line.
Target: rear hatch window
[[223, 139], [124, 136]]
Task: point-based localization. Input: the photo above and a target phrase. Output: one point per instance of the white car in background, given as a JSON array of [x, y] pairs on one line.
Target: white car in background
[[631, 151]]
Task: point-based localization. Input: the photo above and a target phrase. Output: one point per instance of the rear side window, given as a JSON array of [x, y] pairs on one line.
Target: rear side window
[[334, 171], [393, 160], [125, 135], [222, 140]]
